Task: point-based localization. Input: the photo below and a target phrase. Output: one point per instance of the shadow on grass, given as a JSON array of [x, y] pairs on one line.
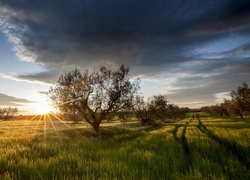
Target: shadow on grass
[[238, 151], [107, 133], [153, 127]]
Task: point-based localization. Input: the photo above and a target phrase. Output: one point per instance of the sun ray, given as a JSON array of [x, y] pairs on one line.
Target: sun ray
[[60, 120], [44, 131], [51, 122], [23, 127], [37, 124]]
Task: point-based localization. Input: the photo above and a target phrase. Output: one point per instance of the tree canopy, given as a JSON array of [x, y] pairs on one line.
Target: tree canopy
[[92, 96]]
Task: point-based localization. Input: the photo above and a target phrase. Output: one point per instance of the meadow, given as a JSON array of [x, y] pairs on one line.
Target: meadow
[[195, 147]]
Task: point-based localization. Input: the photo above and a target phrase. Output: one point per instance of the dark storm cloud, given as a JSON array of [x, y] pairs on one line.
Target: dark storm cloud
[[142, 32], [150, 36], [6, 100]]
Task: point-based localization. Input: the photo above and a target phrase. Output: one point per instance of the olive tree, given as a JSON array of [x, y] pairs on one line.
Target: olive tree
[[143, 110], [7, 113], [233, 108], [240, 101], [92, 96], [218, 109], [152, 109], [173, 111]]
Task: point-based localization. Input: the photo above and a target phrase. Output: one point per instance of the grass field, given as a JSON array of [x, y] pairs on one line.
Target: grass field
[[197, 147]]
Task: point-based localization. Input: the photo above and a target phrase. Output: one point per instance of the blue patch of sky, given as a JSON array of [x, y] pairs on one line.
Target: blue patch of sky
[[150, 88], [9, 63], [217, 48]]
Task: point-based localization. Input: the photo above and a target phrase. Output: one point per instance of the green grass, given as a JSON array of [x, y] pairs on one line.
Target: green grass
[[196, 147]]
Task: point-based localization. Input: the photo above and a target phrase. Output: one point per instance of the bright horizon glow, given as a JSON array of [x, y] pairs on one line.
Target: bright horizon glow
[[42, 108]]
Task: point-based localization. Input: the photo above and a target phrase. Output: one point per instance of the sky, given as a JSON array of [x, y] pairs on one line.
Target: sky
[[194, 52]]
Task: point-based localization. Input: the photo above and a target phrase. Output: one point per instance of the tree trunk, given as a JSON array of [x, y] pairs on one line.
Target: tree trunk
[[228, 115], [96, 127], [241, 116]]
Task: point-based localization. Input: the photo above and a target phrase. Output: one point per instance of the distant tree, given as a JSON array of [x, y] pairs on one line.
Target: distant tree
[[94, 95], [143, 110], [241, 99], [7, 113], [233, 108], [223, 109], [206, 109], [125, 116], [156, 108], [173, 111], [218, 109], [238, 105], [160, 103]]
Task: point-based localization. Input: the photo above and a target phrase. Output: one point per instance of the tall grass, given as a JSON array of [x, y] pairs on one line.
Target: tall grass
[[171, 151]]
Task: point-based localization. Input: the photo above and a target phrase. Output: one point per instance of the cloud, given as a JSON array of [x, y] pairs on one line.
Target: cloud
[[155, 38], [197, 88], [89, 33], [6, 100], [245, 48], [43, 92], [44, 77], [48, 77]]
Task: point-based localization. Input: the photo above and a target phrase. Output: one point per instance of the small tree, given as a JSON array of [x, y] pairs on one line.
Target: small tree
[[125, 116], [160, 104], [94, 95], [7, 113], [240, 101], [153, 109], [173, 111], [143, 110], [224, 109]]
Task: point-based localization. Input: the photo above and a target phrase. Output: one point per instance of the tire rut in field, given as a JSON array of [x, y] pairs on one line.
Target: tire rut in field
[[183, 141], [238, 151], [174, 132]]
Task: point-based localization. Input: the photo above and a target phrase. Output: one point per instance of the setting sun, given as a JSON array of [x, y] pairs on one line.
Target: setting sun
[[42, 108]]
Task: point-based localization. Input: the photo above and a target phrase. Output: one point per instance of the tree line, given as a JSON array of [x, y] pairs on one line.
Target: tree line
[[239, 104], [99, 95]]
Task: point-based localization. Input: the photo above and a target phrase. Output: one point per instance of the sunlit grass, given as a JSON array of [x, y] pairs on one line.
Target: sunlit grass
[[46, 147]]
